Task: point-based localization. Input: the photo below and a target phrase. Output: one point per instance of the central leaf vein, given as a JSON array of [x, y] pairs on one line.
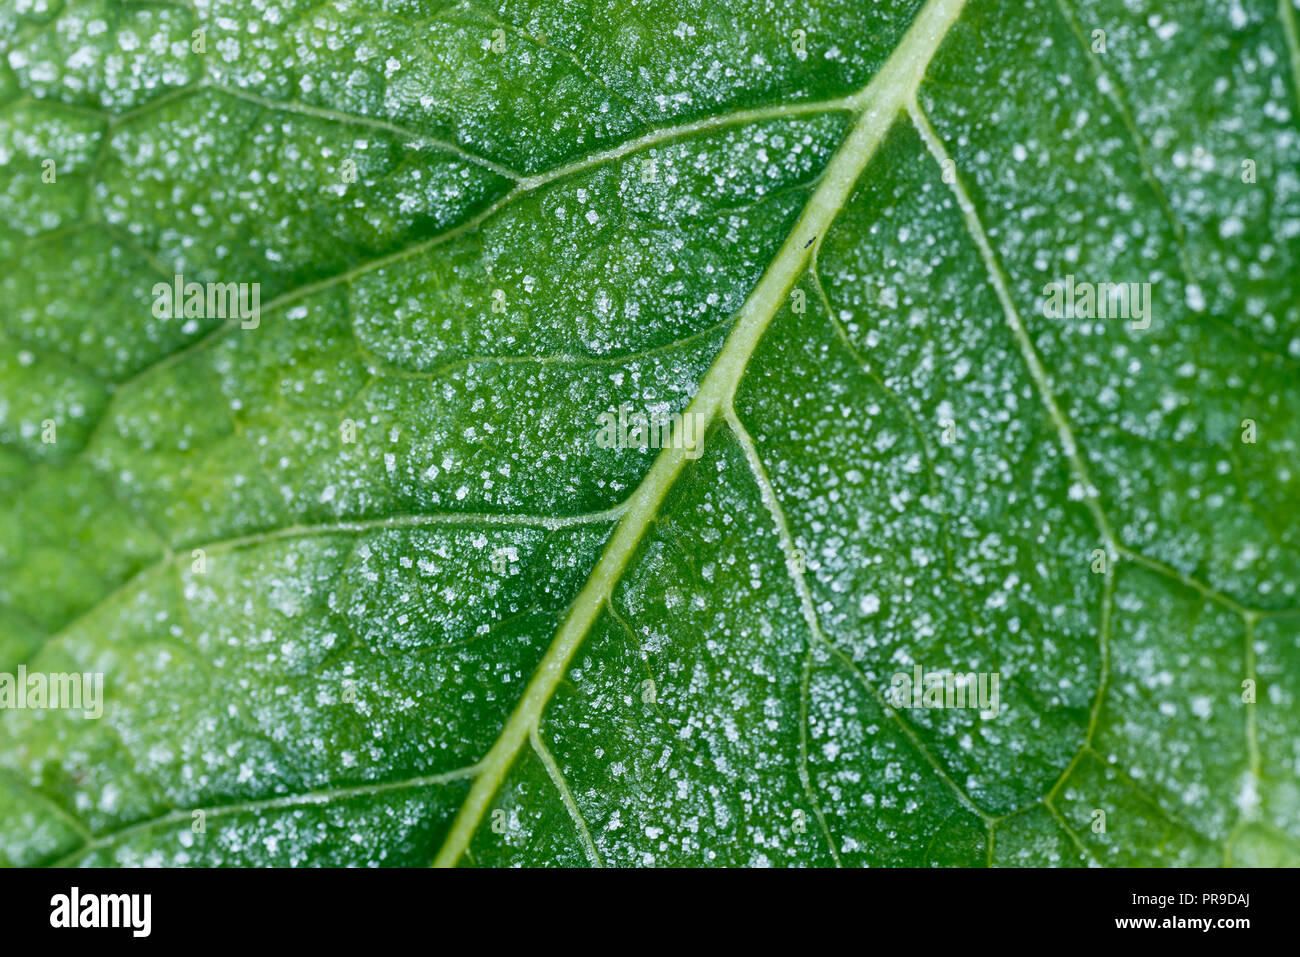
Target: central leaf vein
[[876, 107]]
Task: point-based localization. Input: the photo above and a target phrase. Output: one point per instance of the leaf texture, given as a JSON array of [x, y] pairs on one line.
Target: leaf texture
[[367, 588]]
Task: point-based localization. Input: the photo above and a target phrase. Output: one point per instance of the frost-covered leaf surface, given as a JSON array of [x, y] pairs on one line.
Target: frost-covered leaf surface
[[364, 586]]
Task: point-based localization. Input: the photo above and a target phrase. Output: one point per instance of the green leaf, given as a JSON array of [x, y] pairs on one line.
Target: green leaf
[[368, 584]]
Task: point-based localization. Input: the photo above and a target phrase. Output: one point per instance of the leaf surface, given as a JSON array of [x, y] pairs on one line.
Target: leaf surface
[[366, 587]]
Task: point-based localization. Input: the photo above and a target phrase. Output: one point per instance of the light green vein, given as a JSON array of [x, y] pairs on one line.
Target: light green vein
[[307, 799], [876, 107], [777, 513], [1286, 14], [557, 778]]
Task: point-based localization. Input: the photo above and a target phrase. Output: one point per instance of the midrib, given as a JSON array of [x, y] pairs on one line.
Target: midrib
[[875, 108]]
